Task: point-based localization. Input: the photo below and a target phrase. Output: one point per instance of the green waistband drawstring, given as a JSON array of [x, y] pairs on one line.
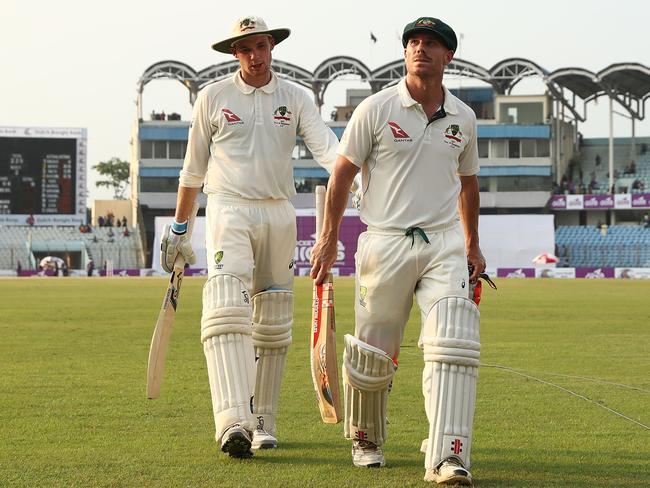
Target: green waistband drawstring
[[411, 231]]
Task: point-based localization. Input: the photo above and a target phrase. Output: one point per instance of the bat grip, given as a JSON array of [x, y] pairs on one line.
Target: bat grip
[[320, 209]]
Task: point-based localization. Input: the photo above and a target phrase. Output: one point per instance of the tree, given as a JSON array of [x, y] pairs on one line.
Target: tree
[[117, 173]]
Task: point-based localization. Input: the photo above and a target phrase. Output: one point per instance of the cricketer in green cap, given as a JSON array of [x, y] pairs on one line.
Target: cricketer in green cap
[[432, 26]]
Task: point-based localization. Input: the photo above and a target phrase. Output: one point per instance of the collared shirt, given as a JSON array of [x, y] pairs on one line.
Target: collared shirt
[[241, 138], [410, 164]]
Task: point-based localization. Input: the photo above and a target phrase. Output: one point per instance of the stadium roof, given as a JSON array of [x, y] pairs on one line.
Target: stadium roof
[[627, 83]]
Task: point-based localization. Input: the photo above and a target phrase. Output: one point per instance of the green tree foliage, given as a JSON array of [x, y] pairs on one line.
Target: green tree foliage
[[116, 172]]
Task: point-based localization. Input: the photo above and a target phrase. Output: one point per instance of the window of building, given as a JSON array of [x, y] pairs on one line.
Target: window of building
[[513, 148], [528, 148], [543, 148], [160, 149], [498, 148], [177, 149], [159, 184], [146, 149], [483, 148]]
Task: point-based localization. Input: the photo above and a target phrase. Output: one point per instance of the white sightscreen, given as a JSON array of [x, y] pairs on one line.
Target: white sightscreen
[[507, 241], [512, 241]]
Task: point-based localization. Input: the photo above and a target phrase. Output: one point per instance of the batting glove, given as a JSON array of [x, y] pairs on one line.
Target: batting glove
[[175, 241], [357, 192]]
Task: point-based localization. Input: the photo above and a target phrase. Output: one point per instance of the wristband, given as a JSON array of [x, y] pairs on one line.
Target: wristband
[[179, 228]]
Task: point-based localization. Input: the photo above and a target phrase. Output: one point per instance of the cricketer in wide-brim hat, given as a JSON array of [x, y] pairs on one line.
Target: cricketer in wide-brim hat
[[250, 25]]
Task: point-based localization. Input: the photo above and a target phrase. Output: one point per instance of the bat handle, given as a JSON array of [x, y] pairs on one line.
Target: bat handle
[[320, 209]]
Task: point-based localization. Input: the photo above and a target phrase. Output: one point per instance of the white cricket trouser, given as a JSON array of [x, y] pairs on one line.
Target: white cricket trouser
[[391, 267], [254, 240]]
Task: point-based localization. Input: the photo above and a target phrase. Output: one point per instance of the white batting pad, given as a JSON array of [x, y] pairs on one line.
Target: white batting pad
[[451, 344], [272, 321], [367, 373], [229, 353]]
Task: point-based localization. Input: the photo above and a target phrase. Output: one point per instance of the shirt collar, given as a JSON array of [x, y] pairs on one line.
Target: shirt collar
[[407, 100], [247, 89]]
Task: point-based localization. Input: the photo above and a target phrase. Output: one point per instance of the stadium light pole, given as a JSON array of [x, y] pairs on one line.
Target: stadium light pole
[[611, 144]]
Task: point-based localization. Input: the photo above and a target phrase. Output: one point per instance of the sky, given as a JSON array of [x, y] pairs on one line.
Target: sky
[[76, 63]]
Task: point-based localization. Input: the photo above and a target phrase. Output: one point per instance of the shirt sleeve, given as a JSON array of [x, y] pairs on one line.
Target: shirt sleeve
[[197, 155], [356, 143], [319, 139], [468, 161]]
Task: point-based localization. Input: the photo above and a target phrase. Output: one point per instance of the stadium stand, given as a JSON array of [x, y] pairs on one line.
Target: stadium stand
[[617, 246], [594, 167], [26, 244]]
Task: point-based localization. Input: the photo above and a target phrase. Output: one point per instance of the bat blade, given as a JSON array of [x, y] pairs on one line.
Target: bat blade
[[324, 364], [162, 334]]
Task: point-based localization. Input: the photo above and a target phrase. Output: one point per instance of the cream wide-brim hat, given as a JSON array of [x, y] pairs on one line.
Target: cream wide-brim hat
[[250, 25]]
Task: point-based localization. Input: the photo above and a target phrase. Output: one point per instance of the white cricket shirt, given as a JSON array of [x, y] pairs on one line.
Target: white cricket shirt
[[241, 138], [410, 167]]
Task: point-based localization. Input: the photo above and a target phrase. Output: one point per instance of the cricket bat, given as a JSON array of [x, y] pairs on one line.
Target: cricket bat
[[163, 329], [324, 362]]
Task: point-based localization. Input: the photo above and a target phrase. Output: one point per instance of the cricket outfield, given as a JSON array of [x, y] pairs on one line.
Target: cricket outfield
[[563, 394]]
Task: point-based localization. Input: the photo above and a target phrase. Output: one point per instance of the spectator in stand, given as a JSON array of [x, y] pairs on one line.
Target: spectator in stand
[[90, 267], [30, 220], [126, 232], [124, 221], [632, 167], [598, 160], [110, 219], [110, 232], [95, 239], [646, 221], [101, 221], [118, 223], [19, 267]]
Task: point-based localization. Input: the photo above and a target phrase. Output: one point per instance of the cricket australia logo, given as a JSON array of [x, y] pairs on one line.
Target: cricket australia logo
[[231, 117], [424, 22], [247, 24], [453, 136], [399, 134], [282, 116], [363, 293], [218, 256]]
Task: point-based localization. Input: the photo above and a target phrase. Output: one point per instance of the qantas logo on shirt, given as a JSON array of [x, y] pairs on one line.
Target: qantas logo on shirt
[[399, 134], [231, 117]]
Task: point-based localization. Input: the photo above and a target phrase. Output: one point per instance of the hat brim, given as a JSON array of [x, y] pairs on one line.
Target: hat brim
[[225, 46]]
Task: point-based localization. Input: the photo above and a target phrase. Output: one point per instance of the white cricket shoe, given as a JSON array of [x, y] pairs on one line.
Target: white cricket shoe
[[450, 472], [236, 441], [261, 438], [367, 454]]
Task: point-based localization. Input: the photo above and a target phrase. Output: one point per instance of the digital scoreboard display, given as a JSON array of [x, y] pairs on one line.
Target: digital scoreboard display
[[42, 175]]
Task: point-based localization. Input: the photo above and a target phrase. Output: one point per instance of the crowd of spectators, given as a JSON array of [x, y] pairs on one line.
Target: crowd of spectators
[[162, 116], [110, 221]]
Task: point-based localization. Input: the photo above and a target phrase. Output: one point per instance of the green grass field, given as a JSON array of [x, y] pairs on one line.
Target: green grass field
[[73, 411]]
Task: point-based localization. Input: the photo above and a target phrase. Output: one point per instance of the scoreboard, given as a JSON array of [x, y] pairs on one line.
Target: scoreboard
[[42, 174]]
